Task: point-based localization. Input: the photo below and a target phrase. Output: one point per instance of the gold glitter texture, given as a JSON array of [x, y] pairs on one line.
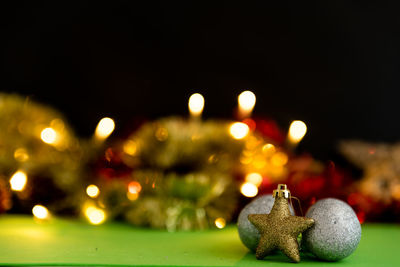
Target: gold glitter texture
[[279, 229]]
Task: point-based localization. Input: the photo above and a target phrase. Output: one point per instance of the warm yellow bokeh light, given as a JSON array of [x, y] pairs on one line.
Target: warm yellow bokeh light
[[92, 191], [130, 147], [247, 101], [249, 190], [104, 128], [239, 130], [161, 134], [297, 131], [21, 154], [132, 196], [196, 104], [268, 149], [95, 215], [48, 135], [254, 178], [18, 181], [279, 159], [40, 212], [220, 223]]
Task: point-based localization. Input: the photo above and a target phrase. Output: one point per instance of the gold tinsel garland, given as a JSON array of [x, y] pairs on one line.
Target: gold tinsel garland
[[38, 150]]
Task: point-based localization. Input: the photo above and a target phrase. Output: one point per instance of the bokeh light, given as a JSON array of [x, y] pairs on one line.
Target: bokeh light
[[95, 215], [247, 101], [104, 128], [130, 147], [249, 190], [49, 136], [92, 191], [40, 212], [20, 154], [134, 187], [196, 104], [18, 181], [220, 223], [254, 178], [239, 130], [279, 159], [297, 131]]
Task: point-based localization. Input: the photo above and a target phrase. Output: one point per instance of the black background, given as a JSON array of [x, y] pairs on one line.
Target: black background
[[332, 64]]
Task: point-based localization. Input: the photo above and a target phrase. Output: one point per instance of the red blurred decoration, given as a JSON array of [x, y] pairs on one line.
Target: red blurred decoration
[[269, 129], [251, 123], [111, 166]]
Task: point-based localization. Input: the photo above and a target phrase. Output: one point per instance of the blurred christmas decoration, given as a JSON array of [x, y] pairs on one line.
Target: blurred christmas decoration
[[178, 173], [182, 175], [39, 154], [173, 173], [377, 193]]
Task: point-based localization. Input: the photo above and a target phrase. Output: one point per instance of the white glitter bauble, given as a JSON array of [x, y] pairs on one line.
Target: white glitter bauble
[[248, 233], [336, 232]]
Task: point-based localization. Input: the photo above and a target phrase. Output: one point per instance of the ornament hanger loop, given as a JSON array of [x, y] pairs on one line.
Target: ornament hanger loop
[[281, 191]]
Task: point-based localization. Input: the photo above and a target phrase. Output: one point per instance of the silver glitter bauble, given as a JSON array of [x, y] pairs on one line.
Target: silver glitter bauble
[[248, 233], [336, 232]]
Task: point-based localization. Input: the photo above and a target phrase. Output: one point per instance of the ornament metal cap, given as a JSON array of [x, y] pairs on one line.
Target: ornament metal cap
[[281, 191]]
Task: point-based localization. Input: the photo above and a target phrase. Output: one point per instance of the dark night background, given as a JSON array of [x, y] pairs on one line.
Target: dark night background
[[332, 64]]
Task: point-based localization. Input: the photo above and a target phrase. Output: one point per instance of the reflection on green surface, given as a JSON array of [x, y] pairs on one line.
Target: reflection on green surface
[[67, 242]]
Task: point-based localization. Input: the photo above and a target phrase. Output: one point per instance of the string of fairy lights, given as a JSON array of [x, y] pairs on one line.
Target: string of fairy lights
[[258, 157]]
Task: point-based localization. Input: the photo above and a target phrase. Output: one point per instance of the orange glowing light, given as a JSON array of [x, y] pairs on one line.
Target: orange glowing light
[[130, 147], [279, 159], [220, 223], [134, 187]]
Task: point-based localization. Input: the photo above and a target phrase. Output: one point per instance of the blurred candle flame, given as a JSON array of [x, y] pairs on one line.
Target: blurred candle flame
[[297, 131], [246, 103], [104, 128], [196, 104]]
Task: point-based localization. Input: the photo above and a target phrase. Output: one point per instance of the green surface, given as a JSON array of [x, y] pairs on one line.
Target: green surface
[[66, 242]]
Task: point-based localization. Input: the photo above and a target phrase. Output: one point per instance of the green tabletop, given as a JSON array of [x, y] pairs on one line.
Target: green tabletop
[[23, 241]]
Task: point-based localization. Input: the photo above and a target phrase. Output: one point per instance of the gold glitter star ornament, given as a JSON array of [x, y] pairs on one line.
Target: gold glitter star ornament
[[279, 229]]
